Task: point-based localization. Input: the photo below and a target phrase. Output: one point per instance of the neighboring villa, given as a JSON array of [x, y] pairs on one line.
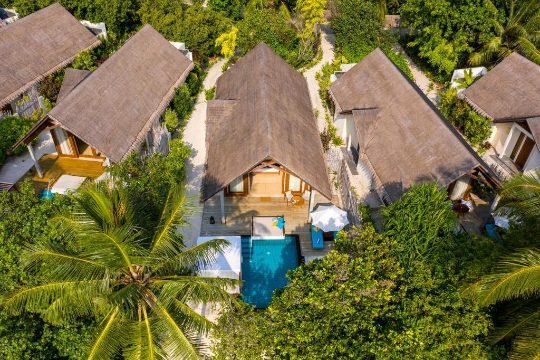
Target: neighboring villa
[[32, 48], [7, 16], [395, 137], [510, 96], [103, 116], [265, 169]]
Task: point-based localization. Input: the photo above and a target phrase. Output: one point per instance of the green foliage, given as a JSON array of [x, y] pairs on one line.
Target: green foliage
[[359, 31], [475, 128], [12, 129], [136, 280], [231, 8], [149, 179], [267, 26], [446, 32], [195, 79], [164, 15], [421, 221], [514, 283], [200, 27], [210, 93], [171, 120], [50, 86], [24, 220], [323, 78], [518, 32], [182, 102], [357, 26], [358, 303], [85, 60]]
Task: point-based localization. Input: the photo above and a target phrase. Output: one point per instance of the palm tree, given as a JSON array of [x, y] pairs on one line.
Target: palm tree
[[516, 279], [140, 284], [520, 32]]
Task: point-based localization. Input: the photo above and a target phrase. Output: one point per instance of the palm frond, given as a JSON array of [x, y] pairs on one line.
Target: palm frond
[[40, 297], [514, 322], [173, 341], [526, 345], [142, 345], [516, 276], [522, 194], [109, 339], [191, 259], [195, 289], [166, 239], [55, 262], [528, 49]]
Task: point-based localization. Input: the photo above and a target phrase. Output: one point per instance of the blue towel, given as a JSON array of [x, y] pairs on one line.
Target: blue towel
[[316, 238]]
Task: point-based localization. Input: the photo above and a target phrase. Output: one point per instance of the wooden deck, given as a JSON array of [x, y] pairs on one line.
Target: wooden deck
[[54, 166], [239, 211]]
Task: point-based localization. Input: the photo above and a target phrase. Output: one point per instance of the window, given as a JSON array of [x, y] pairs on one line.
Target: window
[[295, 184], [237, 185]]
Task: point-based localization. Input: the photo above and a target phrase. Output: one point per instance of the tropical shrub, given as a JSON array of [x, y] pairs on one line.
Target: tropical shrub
[[210, 93], [475, 128], [420, 221], [182, 102], [171, 120], [25, 220], [359, 302], [267, 26], [12, 129], [445, 33], [85, 60], [231, 8], [50, 86]]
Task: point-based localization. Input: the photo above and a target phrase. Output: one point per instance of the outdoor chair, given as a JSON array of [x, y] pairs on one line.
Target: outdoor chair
[[289, 197]]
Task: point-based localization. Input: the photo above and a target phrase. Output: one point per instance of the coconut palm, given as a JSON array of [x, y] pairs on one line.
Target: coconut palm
[[519, 32], [516, 279], [139, 284]]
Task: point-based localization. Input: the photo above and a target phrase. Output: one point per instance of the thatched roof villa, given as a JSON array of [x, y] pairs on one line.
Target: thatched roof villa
[[105, 115], [36, 46], [509, 94]]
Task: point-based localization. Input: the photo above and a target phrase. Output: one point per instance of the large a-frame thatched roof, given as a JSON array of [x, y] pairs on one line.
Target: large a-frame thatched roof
[[113, 108], [262, 111], [38, 45], [403, 137]]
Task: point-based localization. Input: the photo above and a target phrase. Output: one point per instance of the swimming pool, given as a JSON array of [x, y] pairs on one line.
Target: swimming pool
[[264, 267]]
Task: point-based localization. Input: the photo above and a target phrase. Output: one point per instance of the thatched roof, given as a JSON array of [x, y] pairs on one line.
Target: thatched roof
[[72, 78], [262, 111], [115, 106], [534, 126], [402, 135], [38, 45], [511, 90]]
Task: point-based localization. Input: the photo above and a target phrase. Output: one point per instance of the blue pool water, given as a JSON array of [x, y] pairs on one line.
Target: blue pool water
[[264, 267]]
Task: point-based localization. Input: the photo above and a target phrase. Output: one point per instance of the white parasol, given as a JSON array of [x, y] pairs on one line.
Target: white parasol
[[329, 218]]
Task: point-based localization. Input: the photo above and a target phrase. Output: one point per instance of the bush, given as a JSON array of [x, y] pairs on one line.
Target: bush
[[210, 93], [475, 128], [420, 222], [149, 179], [182, 103], [85, 60], [171, 120], [268, 26], [230, 8], [50, 86], [12, 129]]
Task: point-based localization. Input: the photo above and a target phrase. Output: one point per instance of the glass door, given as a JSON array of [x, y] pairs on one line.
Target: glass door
[[63, 143]]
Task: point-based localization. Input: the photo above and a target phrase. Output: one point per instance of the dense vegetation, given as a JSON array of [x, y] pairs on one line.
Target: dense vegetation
[[12, 129], [377, 295]]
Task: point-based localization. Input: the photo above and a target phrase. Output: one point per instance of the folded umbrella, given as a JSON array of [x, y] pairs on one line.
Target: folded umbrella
[[329, 218]]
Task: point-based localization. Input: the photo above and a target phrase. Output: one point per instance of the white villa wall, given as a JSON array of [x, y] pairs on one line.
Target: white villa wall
[[498, 135], [533, 162], [346, 129]]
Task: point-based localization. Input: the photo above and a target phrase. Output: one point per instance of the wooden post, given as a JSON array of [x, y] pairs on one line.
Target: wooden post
[[495, 203], [36, 164], [222, 206], [507, 141], [311, 202]]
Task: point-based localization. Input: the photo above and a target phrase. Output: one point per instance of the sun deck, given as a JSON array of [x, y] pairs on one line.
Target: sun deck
[[239, 211], [54, 166]]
